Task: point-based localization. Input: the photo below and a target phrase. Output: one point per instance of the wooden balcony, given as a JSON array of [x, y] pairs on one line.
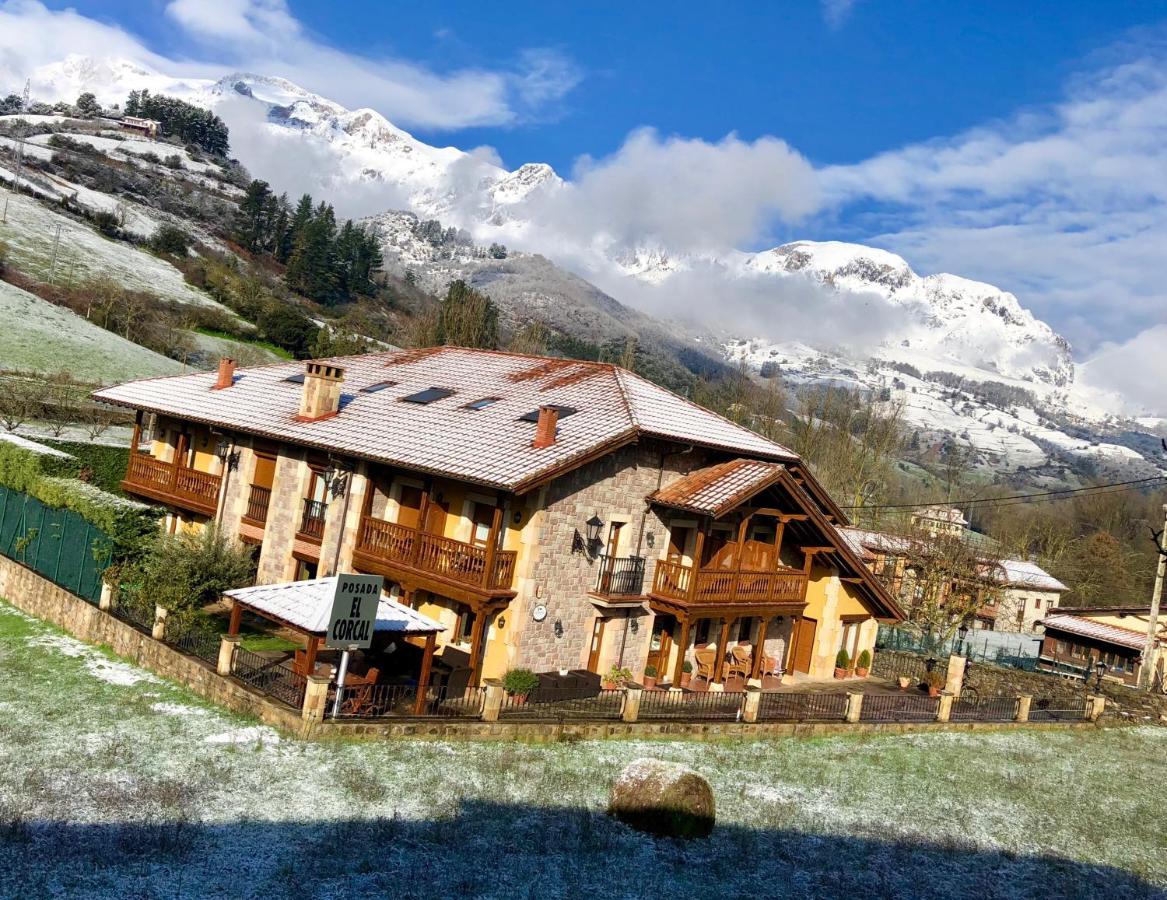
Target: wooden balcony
[[433, 562], [698, 587], [172, 484]]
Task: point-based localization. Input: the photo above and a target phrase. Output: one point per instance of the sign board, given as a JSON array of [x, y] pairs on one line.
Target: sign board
[[354, 610]]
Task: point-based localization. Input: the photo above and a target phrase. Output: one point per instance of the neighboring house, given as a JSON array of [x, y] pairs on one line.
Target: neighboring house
[[1021, 591], [1077, 639], [551, 513], [939, 520], [148, 127]]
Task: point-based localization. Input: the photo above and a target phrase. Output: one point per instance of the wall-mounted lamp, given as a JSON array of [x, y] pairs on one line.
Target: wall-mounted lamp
[[336, 480], [517, 518], [650, 539], [501, 622], [594, 526], [634, 624], [559, 628], [227, 456]]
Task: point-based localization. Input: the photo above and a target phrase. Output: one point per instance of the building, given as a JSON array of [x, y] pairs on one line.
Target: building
[[148, 127], [553, 514], [1016, 593], [939, 520], [1076, 640]]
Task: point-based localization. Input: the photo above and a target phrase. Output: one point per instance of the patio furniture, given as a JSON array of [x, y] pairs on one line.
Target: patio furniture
[[741, 660], [706, 663]]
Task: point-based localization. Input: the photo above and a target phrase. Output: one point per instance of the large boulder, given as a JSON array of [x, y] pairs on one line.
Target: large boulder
[[663, 798]]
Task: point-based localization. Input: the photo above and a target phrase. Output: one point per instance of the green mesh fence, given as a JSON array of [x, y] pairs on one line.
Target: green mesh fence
[[56, 543]]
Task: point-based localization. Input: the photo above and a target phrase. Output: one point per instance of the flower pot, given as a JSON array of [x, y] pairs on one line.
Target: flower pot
[[933, 691], [518, 699], [861, 671], [609, 685], [904, 682], [840, 673], [686, 677], [649, 682]]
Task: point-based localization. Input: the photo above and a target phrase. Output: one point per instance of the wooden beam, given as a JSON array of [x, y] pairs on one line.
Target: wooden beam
[[492, 542], [788, 662], [722, 643], [310, 654], [423, 678], [236, 619], [476, 648], [682, 649], [759, 648], [698, 549]]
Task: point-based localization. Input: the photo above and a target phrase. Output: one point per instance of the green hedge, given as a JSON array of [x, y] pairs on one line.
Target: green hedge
[[52, 480], [107, 465]]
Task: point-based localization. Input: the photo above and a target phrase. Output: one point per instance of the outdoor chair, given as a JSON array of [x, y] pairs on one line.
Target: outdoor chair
[[741, 661], [706, 663]]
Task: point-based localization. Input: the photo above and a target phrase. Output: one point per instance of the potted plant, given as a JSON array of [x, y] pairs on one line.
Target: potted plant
[[649, 677], [519, 683], [617, 678], [686, 673], [904, 681], [842, 662], [863, 664], [935, 682]]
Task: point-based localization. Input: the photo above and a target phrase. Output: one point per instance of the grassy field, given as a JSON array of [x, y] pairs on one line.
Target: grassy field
[[114, 783], [36, 336]]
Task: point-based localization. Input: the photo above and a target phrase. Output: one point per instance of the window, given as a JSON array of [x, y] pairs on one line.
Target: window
[[533, 415], [1077, 651], [379, 386], [429, 395], [305, 570], [298, 378], [1037, 603], [464, 630], [482, 404], [481, 517], [1060, 648]]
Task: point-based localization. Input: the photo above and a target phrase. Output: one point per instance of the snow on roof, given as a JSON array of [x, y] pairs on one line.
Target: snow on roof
[[307, 605], [32, 446], [1099, 631], [863, 541], [941, 514], [1022, 573], [715, 490], [490, 446]]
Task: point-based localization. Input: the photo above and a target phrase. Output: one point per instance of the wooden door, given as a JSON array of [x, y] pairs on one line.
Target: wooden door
[[610, 553], [409, 506], [678, 543], [482, 517], [597, 645], [661, 646], [435, 517], [803, 650]]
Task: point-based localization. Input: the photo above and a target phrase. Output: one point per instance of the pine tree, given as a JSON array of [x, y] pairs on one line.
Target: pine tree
[[467, 318]]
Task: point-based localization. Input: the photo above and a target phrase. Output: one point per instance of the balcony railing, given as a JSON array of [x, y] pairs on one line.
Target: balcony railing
[[312, 519], [675, 581], [258, 502], [452, 560], [620, 576], [171, 483]]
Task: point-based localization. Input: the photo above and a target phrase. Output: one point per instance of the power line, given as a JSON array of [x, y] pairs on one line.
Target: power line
[[1112, 487]]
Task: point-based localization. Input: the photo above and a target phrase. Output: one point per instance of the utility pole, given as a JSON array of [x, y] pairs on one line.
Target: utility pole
[[56, 244], [1147, 670]]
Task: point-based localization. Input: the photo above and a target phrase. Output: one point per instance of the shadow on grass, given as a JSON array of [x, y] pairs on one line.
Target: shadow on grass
[[496, 850]]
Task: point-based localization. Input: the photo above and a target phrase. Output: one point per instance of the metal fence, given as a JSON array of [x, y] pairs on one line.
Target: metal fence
[[1003, 648], [198, 641], [140, 615], [393, 701], [783, 707], [684, 706], [563, 703], [898, 708], [984, 709], [271, 677], [55, 543], [1057, 709], [893, 664]]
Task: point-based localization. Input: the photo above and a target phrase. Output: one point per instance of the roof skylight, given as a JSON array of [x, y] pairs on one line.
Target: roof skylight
[[533, 415], [429, 395], [482, 404], [379, 386], [298, 378]]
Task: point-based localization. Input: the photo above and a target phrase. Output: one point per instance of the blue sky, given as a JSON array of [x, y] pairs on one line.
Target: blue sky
[[1018, 143]]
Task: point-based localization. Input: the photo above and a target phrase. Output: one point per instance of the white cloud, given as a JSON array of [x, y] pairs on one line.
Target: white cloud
[[263, 36], [836, 12], [1132, 373]]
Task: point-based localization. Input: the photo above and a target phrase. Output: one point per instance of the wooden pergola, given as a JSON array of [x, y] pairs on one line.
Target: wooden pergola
[[305, 606]]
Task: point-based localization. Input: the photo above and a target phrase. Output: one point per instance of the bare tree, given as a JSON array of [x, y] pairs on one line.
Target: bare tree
[[19, 401]]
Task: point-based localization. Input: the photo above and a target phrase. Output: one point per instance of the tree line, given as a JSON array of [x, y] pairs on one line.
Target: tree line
[[326, 263], [191, 124]]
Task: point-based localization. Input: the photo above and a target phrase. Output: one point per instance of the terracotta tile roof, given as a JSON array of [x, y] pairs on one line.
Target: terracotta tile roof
[[1025, 574], [1098, 631], [307, 605], [715, 490], [490, 446]]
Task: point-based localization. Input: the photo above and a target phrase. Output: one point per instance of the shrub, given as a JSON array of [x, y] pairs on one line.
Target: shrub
[[687, 667], [842, 660], [107, 223], [170, 240], [618, 677], [934, 679], [864, 660], [519, 682], [650, 671]]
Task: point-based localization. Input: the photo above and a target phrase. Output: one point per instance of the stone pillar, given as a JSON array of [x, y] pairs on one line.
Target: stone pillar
[[955, 681], [944, 708], [227, 645], [751, 704], [105, 601], [159, 630], [854, 707], [1023, 703], [632, 694], [315, 698], [493, 705], [1095, 704]]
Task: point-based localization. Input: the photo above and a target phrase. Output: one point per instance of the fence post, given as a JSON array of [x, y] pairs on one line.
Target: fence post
[[105, 601], [632, 695], [954, 683], [751, 704], [854, 707], [227, 645], [315, 698], [1095, 704], [944, 707], [158, 632], [1023, 703], [493, 703]]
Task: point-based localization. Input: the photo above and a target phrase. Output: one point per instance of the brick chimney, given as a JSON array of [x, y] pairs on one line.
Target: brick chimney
[[320, 398], [226, 374], [545, 429]]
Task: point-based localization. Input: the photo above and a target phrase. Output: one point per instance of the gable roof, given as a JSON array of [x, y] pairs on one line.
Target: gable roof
[[1099, 631], [1023, 573], [489, 446]]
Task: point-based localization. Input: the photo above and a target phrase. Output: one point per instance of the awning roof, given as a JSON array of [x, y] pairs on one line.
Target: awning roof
[[1099, 631], [716, 490], [307, 605]]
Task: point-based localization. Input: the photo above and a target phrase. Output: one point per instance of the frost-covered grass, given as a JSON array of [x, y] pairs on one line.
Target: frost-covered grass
[[116, 783], [36, 336]]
